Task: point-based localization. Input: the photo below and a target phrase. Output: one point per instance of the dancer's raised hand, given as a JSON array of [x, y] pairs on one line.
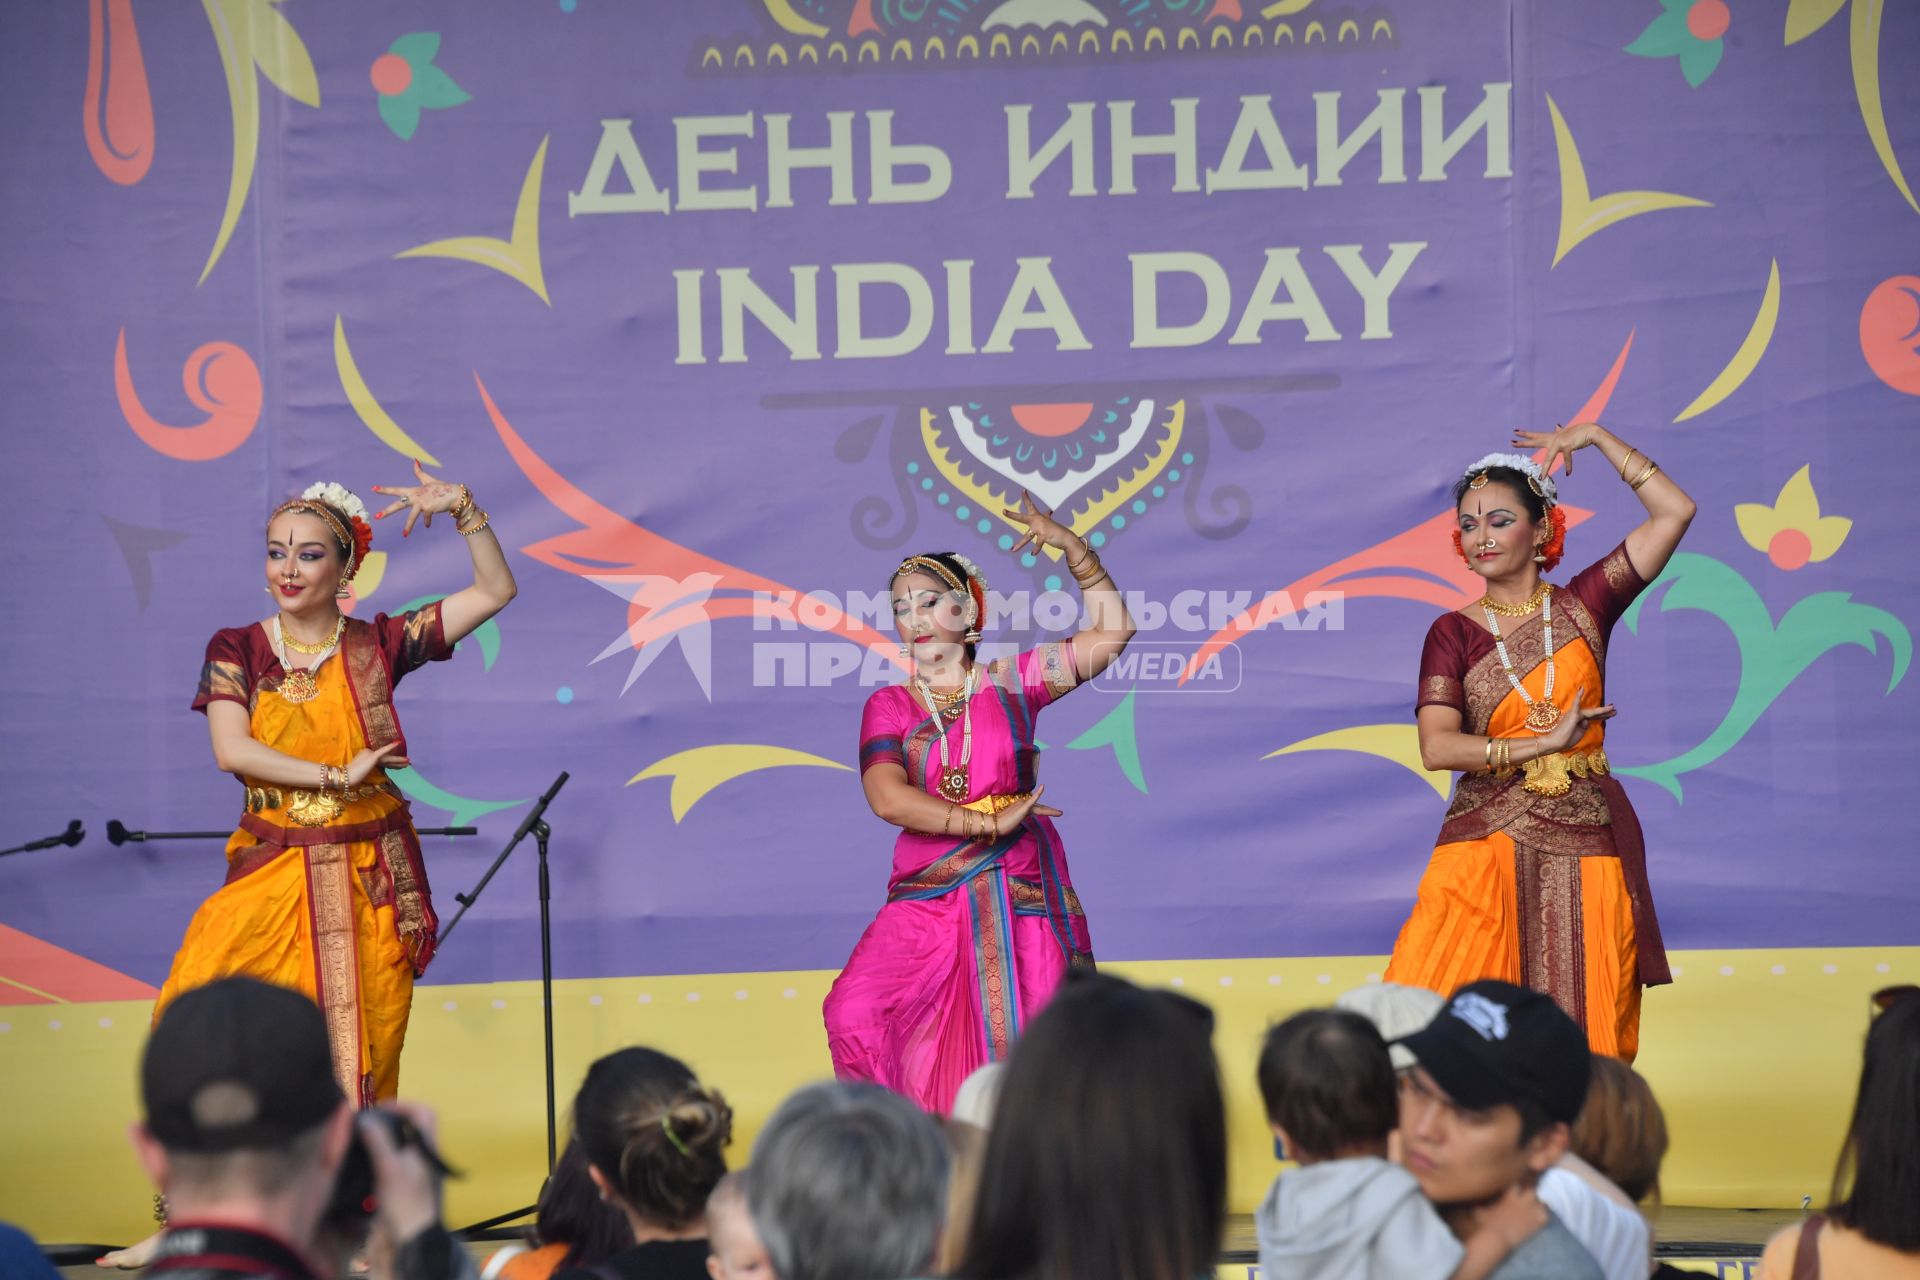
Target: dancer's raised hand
[[1042, 530], [430, 496]]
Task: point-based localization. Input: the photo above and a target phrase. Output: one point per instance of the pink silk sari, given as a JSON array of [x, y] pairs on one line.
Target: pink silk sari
[[974, 937]]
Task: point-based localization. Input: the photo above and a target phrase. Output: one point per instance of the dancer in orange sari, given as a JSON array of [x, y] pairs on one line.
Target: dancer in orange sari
[[1539, 876], [325, 889]]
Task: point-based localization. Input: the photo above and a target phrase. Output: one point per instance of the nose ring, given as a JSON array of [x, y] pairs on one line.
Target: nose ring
[[1488, 544]]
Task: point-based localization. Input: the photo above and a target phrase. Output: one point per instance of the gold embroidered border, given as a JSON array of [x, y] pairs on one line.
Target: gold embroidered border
[[336, 962], [987, 954], [918, 746], [1553, 955], [1446, 691], [224, 680], [1621, 576], [1577, 824], [1057, 667], [409, 913], [372, 692], [1027, 893], [1574, 609], [417, 648]]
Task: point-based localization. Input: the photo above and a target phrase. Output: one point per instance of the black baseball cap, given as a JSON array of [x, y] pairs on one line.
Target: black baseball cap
[[1495, 1043], [237, 1064]]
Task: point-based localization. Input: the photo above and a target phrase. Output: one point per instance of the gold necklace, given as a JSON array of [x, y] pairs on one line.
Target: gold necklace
[[288, 639], [1520, 610]]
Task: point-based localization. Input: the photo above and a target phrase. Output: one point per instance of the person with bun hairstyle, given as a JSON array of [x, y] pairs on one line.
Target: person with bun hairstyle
[[1539, 875], [981, 921], [654, 1140]]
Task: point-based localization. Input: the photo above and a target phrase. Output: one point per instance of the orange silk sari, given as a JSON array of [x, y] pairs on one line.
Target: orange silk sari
[[1541, 889], [339, 911]]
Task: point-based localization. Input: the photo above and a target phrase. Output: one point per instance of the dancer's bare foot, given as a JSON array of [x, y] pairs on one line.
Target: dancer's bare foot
[[134, 1256]]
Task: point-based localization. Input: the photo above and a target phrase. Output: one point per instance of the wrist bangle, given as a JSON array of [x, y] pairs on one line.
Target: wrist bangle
[[460, 508], [1489, 756], [468, 532]]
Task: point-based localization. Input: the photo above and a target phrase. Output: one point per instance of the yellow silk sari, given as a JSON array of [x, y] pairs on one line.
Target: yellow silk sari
[[338, 911]]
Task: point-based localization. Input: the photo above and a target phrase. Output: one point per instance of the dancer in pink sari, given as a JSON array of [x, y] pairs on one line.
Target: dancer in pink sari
[[981, 922]]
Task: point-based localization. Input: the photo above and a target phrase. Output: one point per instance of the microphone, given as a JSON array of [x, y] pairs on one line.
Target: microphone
[[73, 835], [117, 832]]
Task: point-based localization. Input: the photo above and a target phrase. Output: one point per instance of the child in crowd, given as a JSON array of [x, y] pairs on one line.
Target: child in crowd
[[1347, 1212], [737, 1251]]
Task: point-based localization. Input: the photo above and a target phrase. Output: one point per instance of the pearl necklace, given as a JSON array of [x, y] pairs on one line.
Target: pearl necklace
[[1541, 715], [953, 778]]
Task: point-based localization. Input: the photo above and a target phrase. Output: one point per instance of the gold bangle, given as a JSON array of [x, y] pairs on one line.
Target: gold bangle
[[459, 509], [1624, 461], [468, 533], [1489, 758], [1653, 469], [946, 823]]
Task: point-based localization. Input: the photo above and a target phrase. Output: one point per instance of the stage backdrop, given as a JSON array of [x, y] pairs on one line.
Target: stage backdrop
[[723, 308]]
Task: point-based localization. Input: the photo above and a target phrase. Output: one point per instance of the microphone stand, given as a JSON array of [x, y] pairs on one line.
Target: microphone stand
[[117, 833], [73, 835], [535, 825]]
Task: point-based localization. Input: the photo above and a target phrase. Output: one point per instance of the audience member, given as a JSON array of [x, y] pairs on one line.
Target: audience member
[[572, 1226], [973, 1103], [1622, 1132], [1872, 1225], [1108, 1154], [737, 1253], [654, 1141], [848, 1182], [966, 1151], [1499, 1077], [1395, 1010], [21, 1258], [246, 1134], [1347, 1213]]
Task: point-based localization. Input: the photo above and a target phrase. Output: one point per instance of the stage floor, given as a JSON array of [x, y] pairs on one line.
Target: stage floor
[[1715, 1242]]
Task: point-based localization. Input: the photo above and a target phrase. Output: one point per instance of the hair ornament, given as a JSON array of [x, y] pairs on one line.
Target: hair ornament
[[329, 500], [1537, 478], [666, 1127]]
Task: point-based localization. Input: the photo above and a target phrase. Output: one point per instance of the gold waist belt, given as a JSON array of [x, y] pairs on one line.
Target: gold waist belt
[[1553, 775], [310, 808], [994, 804]]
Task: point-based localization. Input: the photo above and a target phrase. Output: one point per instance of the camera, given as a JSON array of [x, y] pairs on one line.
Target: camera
[[354, 1196]]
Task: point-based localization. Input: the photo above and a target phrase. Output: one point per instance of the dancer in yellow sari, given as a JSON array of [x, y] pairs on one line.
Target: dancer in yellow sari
[[325, 890], [1539, 875]]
